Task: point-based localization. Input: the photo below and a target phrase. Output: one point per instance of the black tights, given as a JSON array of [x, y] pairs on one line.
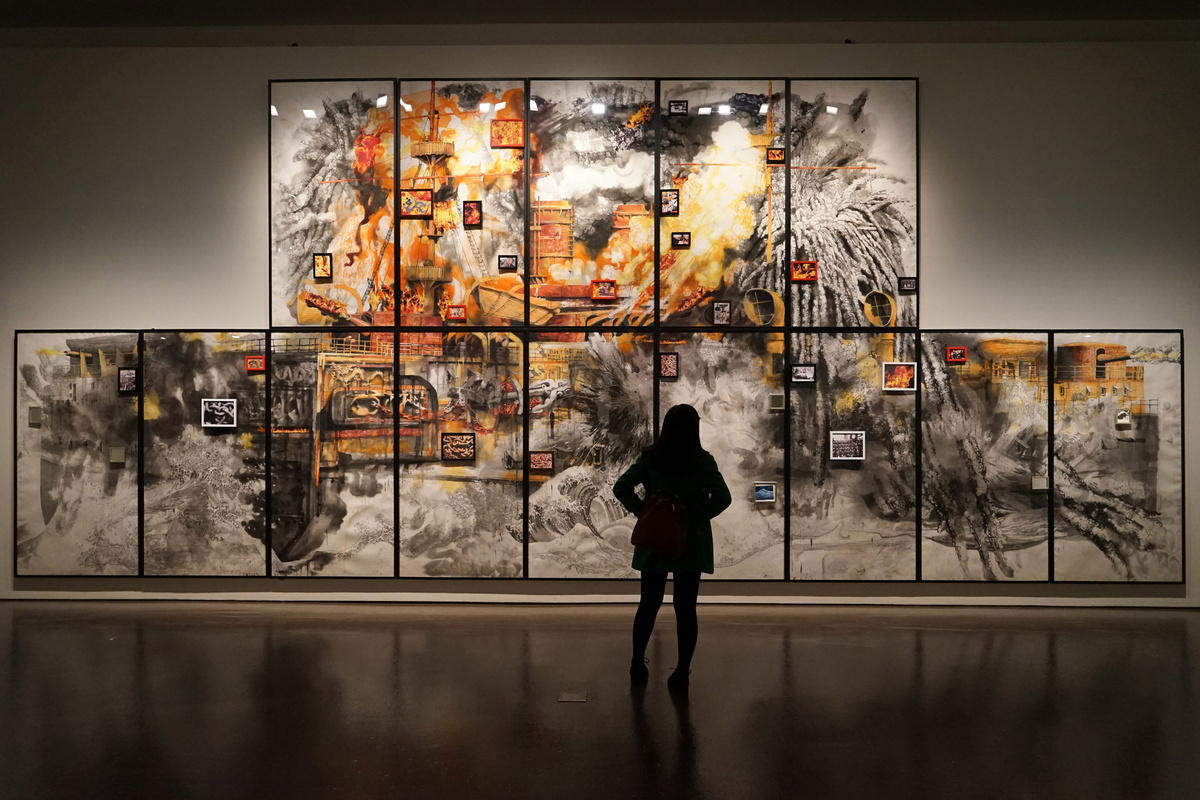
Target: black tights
[[687, 589]]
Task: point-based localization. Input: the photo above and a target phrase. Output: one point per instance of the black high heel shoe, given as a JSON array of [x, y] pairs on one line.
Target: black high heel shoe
[[678, 682], [639, 672]]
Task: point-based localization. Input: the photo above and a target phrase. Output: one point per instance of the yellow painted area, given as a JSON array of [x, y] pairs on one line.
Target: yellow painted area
[[152, 411]]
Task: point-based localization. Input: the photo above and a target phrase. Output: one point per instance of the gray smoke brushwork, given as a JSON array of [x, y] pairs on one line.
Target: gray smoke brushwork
[[843, 219]]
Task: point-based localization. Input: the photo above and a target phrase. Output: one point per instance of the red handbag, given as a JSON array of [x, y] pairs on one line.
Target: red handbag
[[662, 527]]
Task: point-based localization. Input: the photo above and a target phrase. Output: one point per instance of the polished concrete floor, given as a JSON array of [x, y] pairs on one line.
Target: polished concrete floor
[[173, 700]]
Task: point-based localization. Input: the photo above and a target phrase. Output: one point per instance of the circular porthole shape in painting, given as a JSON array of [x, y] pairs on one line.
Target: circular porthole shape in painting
[[762, 306], [880, 308]]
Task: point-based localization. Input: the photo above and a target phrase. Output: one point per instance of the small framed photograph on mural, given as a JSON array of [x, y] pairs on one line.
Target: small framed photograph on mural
[[507, 263], [472, 214], [541, 460], [775, 402], [899, 376], [458, 447], [804, 271], [604, 289], [668, 202], [681, 240], [256, 363], [127, 381], [776, 156], [677, 108], [722, 312], [764, 492], [804, 373], [668, 366], [956, 355], [416, 204], [907, 285], [456, 313], [847, 445], [218, 412], [508, 134], [322, 266]]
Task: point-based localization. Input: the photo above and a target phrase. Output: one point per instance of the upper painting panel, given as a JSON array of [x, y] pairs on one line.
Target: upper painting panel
[[722, 213], [853, 203], [591, 227], [461, 217], [332, 158]]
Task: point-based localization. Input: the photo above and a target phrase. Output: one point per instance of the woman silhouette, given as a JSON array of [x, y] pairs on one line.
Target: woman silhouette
[[676, 463]]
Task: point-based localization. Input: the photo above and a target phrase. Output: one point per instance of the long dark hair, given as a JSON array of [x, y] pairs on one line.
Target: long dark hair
[[678, 446]]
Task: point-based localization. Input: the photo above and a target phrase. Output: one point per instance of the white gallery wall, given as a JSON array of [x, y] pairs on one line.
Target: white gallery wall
[[1060, 188]]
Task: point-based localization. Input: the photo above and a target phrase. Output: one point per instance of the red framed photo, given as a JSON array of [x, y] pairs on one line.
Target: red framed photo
[[604, 289], [456, 313], [776, 156], [804, 271], [508, 134], [472, 213], [416, 204], [956, 355], [256, 363]]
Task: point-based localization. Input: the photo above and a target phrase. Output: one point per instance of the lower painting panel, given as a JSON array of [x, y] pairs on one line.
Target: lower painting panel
[[734, 380], [853, 457], [332, 454], [461, 452], [985, 409], [76, 454], [205, 486], [1118, 456], [591, 407]]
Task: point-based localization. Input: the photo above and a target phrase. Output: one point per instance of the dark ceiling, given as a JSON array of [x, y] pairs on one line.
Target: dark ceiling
[[192, 13]]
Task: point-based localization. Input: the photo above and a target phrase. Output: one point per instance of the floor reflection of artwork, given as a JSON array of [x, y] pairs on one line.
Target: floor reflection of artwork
[[205, 490], [76, 455], [332, 178], [462, 176], [590, 405], [853, 461], [592, 196], [730, 200], [729, 379], [984, 412], [462, 391], [853, 196], [1118, 450], [332, 467]]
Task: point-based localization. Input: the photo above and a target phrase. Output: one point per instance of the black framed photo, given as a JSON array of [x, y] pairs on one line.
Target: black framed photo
[[472, 214], [127, 381], [458, 447], [668, 202], [668, 366], [722, 311], [804, 373], [218, 412], [908, 284], [776, 156], [507, 263], [681, 240], [322, 266], [677, 108]]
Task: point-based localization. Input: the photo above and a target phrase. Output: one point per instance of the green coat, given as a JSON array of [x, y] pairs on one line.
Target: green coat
[[702, 490]]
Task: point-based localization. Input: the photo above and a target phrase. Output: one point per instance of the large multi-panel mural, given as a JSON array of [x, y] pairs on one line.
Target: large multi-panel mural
[[485, 295]]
